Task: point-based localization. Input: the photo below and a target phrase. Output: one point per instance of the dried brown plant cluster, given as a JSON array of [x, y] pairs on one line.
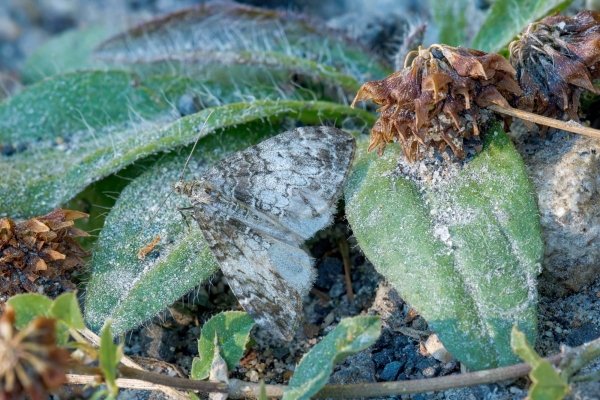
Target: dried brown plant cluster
[[436, 101], [30, 361], [556, 60], [39, 247]]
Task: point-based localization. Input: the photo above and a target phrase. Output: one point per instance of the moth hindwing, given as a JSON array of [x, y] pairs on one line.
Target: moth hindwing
[[256, 208]]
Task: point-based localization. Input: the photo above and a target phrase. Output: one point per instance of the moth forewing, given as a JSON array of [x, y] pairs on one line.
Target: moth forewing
[[257, 207]]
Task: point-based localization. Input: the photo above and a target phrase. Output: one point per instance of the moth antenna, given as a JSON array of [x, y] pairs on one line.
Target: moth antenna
[[194, 147], [180, 178], [155, 213]]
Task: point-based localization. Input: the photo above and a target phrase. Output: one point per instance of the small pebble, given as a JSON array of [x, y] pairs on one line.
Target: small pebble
[[253, 376], [391, 371]]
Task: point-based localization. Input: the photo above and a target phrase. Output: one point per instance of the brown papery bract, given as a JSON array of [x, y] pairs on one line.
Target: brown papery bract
[[556, 60], [39, 247], [436, 101]]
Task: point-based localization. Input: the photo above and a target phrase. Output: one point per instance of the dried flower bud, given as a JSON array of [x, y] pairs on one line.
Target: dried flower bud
[[39, 247], [30, 362], [556, 60], [436, 102]]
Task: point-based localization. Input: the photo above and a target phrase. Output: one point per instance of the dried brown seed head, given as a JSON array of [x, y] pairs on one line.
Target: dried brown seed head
[[39, 247], [30, 361], [436, 101], [556, 60]]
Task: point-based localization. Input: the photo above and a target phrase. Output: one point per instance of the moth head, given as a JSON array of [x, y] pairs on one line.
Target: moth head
[[183, 188]]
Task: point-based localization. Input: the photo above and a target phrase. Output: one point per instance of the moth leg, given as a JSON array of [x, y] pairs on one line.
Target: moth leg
[[185, 216]]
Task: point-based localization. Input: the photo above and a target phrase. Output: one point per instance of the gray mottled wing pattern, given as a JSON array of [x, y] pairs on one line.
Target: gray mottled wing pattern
[[257, 206], [296, 176]]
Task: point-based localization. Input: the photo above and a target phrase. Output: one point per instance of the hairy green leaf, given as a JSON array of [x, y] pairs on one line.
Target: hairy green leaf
[[77, 128], [451, 19], [350, 336], [508, 18], [233, 330], [67, 52], [465, 254], [230, 34], [547, 384]]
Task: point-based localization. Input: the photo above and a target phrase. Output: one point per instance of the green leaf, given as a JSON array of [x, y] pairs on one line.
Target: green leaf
[[28, 307], [451, 19], [78, 128], [477, 283], [66, 309], [109, 356], [67, 52], [547, 384], [350, 336], [508, 18], [231, 34], [129, 291], [232, 329]]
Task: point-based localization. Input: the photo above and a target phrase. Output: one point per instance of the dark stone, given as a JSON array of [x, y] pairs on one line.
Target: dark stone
[[432, 371], [58, 23], [329, 270], [337, 290], [419, 324], [425, 363], [7, 150], [400, 341], [358, 368], [280, 352], [159, 342], [319, 248], [409, 367], [420, 396], [583, 334], [359, 260], [402, 377], [383, 358], [391, 371], [384, 341], [322, 311]]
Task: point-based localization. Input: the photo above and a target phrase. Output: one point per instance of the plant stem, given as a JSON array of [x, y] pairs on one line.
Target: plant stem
[[140, 378], [587, 378], [345, 251], [578, 357], [246, 389], [570, 126], [240, 389]]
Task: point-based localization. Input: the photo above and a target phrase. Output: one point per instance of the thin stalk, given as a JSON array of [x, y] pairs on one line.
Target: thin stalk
[[345, 250], [570, 126], [135, 378], [578, 357]]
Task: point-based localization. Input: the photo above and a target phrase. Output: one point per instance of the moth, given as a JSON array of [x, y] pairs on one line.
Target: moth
[[258, 206]]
